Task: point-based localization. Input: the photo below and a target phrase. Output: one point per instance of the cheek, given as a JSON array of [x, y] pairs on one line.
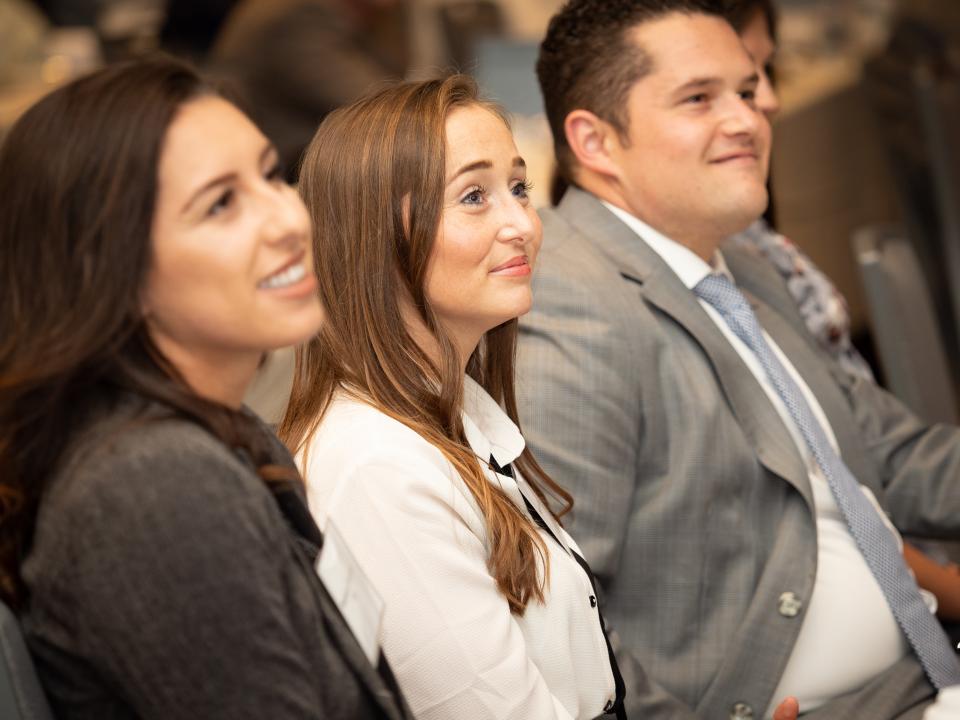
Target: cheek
[[463, 247], [196, 278]]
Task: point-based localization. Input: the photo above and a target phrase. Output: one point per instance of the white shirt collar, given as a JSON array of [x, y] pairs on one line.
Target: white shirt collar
[[489, 430], [687, 265]]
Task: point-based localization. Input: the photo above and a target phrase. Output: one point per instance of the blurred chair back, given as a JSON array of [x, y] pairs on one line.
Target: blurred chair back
[[938, 99], [908, 341], [900, 83], [21, 697]]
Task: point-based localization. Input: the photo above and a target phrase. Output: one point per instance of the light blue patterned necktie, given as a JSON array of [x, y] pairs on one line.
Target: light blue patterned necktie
[[873, 537]]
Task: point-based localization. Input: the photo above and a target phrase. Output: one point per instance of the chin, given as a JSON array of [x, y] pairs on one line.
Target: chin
[[744, 213]]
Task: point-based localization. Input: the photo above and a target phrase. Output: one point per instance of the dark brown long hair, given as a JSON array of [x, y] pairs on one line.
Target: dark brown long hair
[[373, 180], [78, 180]]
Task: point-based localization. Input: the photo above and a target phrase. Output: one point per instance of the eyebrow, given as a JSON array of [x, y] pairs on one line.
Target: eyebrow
[[222, 179], [706, 82], [483, 165]]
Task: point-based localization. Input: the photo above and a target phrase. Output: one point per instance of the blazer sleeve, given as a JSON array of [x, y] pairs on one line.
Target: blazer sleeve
[[581, 410], [919, 464], [172, 566], [447, 631]]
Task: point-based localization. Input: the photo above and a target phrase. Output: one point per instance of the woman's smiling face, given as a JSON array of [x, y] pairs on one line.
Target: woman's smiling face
[[232, 270], [489, 235]]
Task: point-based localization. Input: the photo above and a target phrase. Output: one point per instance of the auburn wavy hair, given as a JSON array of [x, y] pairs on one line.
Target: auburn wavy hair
[[373, 179], [78, 183]]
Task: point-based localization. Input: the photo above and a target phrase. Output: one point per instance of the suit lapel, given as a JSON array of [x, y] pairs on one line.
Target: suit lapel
[[660, 286], [779, 316]]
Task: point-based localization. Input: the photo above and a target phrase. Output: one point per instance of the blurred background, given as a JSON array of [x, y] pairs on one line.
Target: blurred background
[[866, 167]]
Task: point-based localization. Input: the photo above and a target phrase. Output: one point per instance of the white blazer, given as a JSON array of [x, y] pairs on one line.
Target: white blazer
[[415, 529]]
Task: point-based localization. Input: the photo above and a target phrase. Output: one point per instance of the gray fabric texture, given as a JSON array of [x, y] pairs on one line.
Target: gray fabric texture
[[693, 505], [166, 583]]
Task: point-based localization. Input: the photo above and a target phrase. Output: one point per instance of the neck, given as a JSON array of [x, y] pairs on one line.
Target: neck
[[221, 377], [702, 241], [465, 342]]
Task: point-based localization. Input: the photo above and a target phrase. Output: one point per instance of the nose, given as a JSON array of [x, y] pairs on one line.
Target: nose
[[766, 98], [285, 218], [742, 117], [516, 224]]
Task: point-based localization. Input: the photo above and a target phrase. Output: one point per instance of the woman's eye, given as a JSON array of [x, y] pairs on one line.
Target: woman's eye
[[474, 197], [222, 203], [695, 99], [276, 174], [522, 189], [749, 96]]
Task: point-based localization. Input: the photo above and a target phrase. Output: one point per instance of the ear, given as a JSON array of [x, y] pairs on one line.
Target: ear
[[591, 140]]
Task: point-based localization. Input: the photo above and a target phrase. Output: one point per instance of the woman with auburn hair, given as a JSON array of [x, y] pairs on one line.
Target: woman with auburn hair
[[404, 417], [153, 532]]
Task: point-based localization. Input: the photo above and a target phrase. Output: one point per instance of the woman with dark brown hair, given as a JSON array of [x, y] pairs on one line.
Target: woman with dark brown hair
[[153, 535], [404, 416]]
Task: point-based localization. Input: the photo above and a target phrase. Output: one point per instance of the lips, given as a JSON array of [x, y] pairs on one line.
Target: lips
[[518, 261], [288, 274], [741, 155]]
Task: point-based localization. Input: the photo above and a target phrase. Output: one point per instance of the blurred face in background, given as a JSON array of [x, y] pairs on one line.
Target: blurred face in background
[[232, 268], [480, 267], [756, 39]]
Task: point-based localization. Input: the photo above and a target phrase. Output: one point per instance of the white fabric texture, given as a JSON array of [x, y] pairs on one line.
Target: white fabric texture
[[849, 635], [946, 707], [417, 532]]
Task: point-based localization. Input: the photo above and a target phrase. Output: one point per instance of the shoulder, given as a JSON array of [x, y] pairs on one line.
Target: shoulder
[[568, 245], [149, 446], [360, 450], [130, 468], [134, 488]]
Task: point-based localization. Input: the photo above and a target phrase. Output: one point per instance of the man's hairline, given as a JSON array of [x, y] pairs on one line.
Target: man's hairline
[[638, 50]]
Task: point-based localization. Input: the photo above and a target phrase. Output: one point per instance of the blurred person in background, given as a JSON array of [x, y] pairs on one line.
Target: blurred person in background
[[822, 306], [293, 61], [154, 537]]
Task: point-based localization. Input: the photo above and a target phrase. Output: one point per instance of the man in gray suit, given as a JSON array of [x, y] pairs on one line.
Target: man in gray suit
[[723, 477]]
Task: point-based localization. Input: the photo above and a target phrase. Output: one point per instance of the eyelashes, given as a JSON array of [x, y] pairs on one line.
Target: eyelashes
[[522, 188], [477, 194], [226, 199]]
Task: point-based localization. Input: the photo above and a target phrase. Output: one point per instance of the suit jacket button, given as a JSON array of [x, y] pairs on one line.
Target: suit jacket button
[[789, 605], [608, 707], [593, 601], [741, 711]]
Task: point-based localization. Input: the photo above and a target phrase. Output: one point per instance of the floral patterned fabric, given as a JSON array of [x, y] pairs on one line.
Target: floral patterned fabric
[[821, 305]]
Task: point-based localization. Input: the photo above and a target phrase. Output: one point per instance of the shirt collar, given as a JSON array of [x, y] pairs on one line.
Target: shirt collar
[[686, 264], [488, 428]]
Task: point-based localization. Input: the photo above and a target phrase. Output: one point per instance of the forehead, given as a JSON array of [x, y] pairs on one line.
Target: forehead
[[207, 135], [475, 133], [683, 47]]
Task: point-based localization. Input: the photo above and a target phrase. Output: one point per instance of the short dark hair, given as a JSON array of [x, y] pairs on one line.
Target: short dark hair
[[587, 60]]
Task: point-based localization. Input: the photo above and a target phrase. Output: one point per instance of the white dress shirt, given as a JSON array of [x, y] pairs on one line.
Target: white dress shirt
[[415, 529], [849, 634], [947, 705]]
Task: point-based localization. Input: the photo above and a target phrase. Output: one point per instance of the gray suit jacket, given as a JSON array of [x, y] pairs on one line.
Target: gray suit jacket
[[693, 505]]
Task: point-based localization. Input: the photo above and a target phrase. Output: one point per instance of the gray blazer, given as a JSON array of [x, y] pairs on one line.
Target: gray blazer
[[168, 582], [693, 505]]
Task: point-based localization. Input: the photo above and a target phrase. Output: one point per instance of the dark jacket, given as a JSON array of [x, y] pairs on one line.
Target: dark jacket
[[167, 581]]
